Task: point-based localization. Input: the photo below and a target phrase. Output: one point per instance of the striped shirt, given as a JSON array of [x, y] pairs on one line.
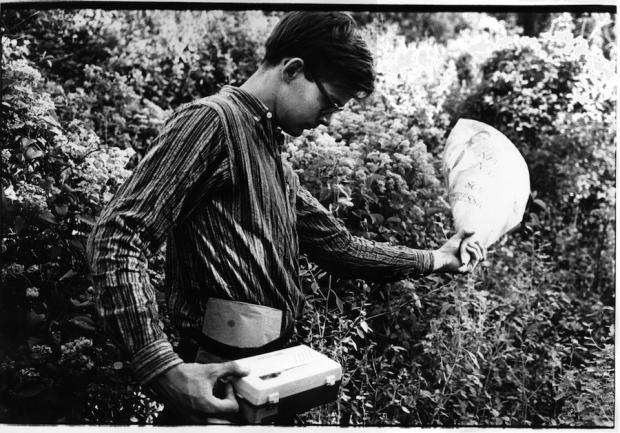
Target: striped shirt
[[235, 219]]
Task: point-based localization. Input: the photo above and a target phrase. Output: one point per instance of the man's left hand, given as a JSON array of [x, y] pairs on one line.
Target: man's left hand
[[460, 254]]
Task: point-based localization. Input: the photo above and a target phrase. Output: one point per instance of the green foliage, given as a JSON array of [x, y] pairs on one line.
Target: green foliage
[[116, 69], [554, 98], [441, 27], [526, 341], [55, 183]]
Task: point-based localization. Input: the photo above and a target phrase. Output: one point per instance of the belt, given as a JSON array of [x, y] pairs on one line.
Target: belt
[[233, 352]]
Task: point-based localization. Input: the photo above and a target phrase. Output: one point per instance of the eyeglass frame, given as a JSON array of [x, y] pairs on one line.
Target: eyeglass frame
[[334, 105]]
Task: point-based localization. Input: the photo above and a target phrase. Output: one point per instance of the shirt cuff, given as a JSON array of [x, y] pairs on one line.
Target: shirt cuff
[[153, 360], [427, 263]]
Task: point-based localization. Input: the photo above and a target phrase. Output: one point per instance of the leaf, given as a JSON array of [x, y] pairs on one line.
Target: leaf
[[34, 319], [541, 204], [70, 273], [416, 301], [26, 142], [33, 152], [404, 408], [377, 218], [78, 245], [474, 360], [83, 322], [340, 304], [315, 287], [20, 224], [30, 390], [394, 220], [33, 341], [370, 196], [84, 304], [47, 216], [365, 327], [344, 190], [325, 193], [352, 343], [52, 119], [426, 394], [86, 219], [345, 202]]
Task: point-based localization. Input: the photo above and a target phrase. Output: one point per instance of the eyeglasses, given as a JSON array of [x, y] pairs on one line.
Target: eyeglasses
[[334, 105]]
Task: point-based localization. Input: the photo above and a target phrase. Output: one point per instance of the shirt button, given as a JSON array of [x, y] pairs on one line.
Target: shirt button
[[269, 115]]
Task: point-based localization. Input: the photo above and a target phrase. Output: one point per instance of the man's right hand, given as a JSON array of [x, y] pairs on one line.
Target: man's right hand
[[189, 389]]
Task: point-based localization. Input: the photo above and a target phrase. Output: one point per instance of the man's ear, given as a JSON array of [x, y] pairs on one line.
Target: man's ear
[[292, 68]]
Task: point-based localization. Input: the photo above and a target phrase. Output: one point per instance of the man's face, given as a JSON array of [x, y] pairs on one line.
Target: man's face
[[305, 104]]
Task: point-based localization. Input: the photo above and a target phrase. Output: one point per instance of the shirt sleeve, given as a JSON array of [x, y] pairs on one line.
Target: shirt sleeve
[[329, 244], [190, 149]]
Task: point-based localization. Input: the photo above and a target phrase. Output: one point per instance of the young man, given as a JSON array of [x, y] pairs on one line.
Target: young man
[[236, 220]]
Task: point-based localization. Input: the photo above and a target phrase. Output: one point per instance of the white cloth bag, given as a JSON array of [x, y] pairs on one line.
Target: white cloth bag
[[487, 178]]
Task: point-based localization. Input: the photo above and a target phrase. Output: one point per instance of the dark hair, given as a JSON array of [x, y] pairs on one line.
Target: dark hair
[[330, 45]]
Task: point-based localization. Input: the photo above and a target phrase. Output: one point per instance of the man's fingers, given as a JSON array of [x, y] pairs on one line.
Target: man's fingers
[[231, 368], [230, 391], [464, 269], [224, 405], [474, 250], [483, 250], [464, 255]]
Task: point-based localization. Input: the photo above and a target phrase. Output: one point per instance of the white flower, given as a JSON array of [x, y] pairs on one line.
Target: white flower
[[10, 193], [29, 372], [24, 70], [75, 346], [32, 269], [15, 268], [32, 292], [41, 350]]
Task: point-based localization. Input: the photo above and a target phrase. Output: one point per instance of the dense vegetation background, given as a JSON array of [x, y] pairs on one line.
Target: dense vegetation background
[[527, 340]]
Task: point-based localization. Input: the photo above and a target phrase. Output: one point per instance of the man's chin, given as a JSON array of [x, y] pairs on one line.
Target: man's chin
[[295, 132]]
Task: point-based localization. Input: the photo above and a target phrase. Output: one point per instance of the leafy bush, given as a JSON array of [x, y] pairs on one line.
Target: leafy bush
[[55, 183], [115, 74], [500, 352], [553, 98]]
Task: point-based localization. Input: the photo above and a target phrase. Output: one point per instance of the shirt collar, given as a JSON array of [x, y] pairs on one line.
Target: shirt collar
[[258, 110], [256, 107]]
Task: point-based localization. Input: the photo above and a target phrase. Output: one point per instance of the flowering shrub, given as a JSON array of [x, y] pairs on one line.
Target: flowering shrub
[[500, 349], [554, 98], [56, 181]]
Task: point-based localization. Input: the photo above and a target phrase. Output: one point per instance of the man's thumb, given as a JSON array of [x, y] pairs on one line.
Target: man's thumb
[[464, 255]]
